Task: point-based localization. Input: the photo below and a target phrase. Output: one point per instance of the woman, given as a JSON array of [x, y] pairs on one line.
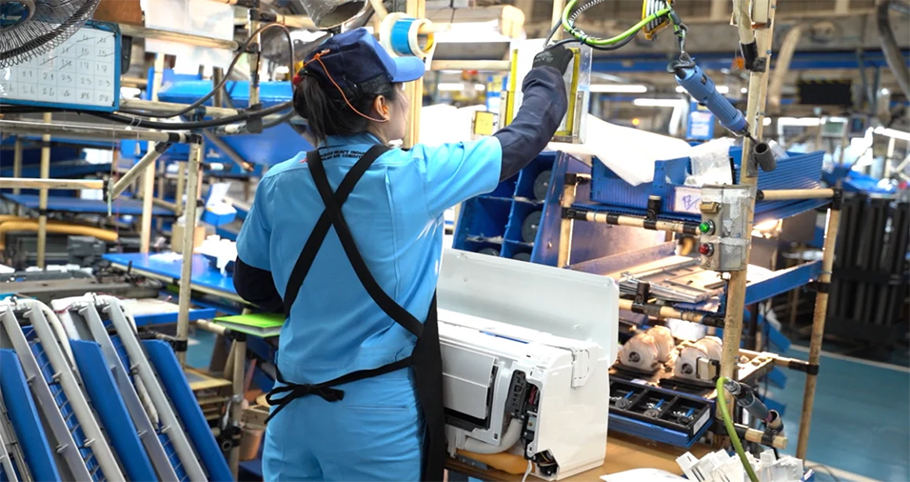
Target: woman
[[359, 396]]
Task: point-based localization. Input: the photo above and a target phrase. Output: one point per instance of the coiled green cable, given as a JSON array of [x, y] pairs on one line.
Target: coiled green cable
[[581, 36], [731, 430]]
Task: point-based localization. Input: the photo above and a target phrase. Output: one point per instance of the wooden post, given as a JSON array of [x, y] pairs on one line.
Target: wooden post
[[17, 167], [189, 234], [818, 328], [238, 378], [414, 90], [558, 7], [566, 224], [42, 194], [736, 287]]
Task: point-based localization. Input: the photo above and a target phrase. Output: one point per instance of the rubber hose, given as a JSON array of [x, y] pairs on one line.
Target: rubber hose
[[890, 47], [508, 440], [731, 430]]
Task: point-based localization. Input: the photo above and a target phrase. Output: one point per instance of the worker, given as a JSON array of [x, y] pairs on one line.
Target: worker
[[346, 240]]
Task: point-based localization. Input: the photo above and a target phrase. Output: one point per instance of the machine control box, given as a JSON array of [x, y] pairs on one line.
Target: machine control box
[[724, 229]]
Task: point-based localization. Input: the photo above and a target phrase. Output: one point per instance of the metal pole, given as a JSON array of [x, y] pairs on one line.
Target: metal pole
[[736, 287], [414, 90], [482, 65], [143, 167], [17, 161], [790, 194], [818, 328], [189, 234], [558, 7], [42, 194], [33, 183], [255, 57], [233, 155], [681, 227], [237, 402], [181, 181], [183, 38], [80, 130], [566, 224], [658, 311], [148, 168], [164, 108]]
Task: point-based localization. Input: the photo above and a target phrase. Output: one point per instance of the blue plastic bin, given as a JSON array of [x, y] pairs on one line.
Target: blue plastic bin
[[799, 171]]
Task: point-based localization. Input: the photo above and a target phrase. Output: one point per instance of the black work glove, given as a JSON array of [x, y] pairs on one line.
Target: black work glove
[[557, 57]]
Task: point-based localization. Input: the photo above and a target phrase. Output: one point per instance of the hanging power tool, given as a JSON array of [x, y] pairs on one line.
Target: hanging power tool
[[656, 15]]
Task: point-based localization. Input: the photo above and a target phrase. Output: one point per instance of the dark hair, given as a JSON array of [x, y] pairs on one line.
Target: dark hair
[[330, 115]]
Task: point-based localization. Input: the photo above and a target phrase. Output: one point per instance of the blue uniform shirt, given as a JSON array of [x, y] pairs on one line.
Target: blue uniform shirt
[[395, 214]]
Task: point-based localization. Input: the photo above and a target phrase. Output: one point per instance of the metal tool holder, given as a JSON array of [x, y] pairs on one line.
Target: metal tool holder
[[12, 460], [721, 216], [170, 431], [82, 322], [50, 399]]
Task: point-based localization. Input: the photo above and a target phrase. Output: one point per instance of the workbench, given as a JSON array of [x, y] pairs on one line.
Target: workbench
[[205, 279], [624, 453], [121, 206]]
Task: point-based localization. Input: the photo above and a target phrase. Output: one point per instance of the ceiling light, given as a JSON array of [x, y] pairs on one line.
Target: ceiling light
[[744, 90], [450, 87], [801, 121], [659, 102], [480, 87], [618, 88], [723, 89], [884, 91]]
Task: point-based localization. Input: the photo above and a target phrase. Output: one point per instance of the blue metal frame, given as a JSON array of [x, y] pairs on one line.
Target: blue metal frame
[[620, 64], [657, 433], [169, 318], [104, 26], [782, 282], [23, 415], [111, 411], [197, 428]]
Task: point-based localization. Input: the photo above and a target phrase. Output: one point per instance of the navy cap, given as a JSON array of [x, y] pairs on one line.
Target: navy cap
[[355, 59]]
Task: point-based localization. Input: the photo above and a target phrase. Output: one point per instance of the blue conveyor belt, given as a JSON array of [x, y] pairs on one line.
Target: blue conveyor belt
[[120, 206], [204, 275]]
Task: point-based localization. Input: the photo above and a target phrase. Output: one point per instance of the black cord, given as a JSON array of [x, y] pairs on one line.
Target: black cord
[[227, 73], [245, 116], [606, 48]]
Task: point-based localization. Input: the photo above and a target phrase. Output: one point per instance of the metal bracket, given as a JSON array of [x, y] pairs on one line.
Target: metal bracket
[[819, 287]]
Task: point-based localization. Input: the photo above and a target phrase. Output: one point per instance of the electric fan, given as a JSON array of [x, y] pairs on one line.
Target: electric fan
[[29, 28]]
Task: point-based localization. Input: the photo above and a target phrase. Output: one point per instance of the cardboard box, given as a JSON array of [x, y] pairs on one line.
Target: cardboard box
[[177, 237]]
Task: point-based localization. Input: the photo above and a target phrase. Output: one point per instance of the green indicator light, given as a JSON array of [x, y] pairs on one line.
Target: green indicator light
[[706, 227]]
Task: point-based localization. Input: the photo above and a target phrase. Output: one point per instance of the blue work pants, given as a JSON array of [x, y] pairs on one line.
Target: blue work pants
[[374, 434]]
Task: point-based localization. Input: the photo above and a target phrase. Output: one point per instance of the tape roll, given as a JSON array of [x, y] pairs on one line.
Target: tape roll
[[542, 185], [401, 36], [529, 227], [522, 256]]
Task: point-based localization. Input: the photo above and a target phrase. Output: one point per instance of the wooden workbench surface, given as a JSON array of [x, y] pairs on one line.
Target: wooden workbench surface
[[623, 453]]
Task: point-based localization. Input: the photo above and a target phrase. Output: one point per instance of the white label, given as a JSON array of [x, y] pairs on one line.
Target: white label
[[701, 422], [687, 200], [79, 71]]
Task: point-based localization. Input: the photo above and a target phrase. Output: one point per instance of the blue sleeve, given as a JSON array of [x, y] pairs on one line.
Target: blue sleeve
[[542, 110], [460, 171], [253, 240]]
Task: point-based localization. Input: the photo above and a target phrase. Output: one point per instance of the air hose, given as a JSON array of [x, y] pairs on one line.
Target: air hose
[[731, 430], [568, 23]]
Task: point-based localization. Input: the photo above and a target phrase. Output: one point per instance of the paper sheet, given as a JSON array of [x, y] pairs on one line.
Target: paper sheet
[[628, 152]]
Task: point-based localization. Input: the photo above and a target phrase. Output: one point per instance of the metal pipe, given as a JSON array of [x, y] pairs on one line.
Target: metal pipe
[[566, 224], [758, 88], [45, 172], [181, 181], [183, 38], [818, 330], [17, 161], [666, 312], [680, 227], [890, 47], [145, 165], [414, 90], [255, 59], [481, 65], [379, 9], [52, 227], [164, 108], [558, 7], [782, 66], [233, 155], [788, 194], [757, 436], [237, 402], [78, 130], [34, 183], [189, 232], [166, 205], [211, 327]]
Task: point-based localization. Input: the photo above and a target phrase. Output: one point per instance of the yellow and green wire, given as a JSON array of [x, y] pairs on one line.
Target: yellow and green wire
[[569, 27]]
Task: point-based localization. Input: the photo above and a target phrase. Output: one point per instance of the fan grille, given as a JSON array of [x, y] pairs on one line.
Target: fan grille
[[53, 22]]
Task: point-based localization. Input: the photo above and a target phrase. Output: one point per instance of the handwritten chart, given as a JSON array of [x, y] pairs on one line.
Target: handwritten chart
[[83, 72]]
